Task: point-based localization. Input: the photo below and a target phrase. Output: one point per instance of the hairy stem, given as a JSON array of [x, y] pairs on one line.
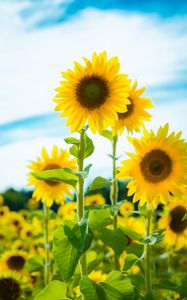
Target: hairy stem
[[80, 196], [46, 239], [148, 284], [114, 191]]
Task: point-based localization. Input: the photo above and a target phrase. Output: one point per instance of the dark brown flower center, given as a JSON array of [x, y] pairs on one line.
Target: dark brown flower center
[[177, 214], [128, 113], [16, 262], [156, 166], [51, 166], [9, 289], [92, 92]]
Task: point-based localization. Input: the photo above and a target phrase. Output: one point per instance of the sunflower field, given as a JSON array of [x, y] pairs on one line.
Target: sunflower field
[[125, 236]]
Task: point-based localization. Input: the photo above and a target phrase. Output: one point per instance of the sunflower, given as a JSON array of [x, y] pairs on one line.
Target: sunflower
[[10, 287], [158, 169], [51, 191], [97, 276], [96, 199], [1, 200], [68, 211], [133, 119], [94, 92], [176, 228], [126, 208], [13, 261]]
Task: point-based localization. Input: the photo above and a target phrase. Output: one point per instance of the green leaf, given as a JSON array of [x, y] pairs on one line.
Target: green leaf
[[74, 151], [131, 233], [118, 287], [115, 287], [166, 285], [183, 289], [89, 146], [56, 290], [153, 238], [87, 168], [107, 134], [88, 289], [99, 182], [72, 141], [135, 248], [82, 174], [34, 264], [59, 175], [131, 260], [115, 239], [137, 280], [185, 217], [99, 219], [70, 242]]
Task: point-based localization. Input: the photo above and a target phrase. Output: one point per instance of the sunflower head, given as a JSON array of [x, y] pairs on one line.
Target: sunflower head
[[93, 93], [13, 261], [172, 221], [133, 119], [126, 208], [97, 276], [158, 168], [67, 211], [46, 190], [95, 199], [10, 287]]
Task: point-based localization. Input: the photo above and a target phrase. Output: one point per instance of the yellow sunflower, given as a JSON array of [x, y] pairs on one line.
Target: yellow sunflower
[[133, 119], [158, 169], [67, 211], [126, 208], [96, 199], [13, 261], [97, 276], [176, 228], [51, 191], [94, 92], [10, 287]]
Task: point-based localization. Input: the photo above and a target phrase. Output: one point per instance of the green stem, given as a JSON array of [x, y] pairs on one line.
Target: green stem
[[148, 284], [80, 196], [114, 191], [46, 239]]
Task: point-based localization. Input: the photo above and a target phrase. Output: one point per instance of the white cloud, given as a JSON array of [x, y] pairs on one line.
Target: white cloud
[[31, 61]]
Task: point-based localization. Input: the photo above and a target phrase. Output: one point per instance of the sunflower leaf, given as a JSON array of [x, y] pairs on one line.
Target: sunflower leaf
[[56, 290], [72, 141], [74, 151], [185, 217], [107, 134], [98, 183], [59, 175], [81, 174], [89, 146]]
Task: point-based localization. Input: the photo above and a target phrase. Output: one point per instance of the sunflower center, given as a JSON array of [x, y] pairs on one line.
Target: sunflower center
[[16, 262], [177, 214], [92, 92], [128, 113], [51, 166], [9, 289], [156, 166]]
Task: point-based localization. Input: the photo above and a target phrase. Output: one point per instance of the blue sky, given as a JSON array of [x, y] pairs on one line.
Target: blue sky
[[39, 39]]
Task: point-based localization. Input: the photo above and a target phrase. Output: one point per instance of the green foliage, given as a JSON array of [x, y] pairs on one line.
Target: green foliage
[[72, 141], [115, 287], [56, 290], [98, 183], [115, 239], [131, 233], [107, 134], [153, 238], [34, 264], [89, 146], [70, 242], [98, 219], [131, 260], [57, 175]]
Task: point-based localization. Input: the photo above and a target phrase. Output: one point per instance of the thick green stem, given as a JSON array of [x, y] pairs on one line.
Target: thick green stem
[[114, 191], [46, 239], [80, 196], [148, 284]]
